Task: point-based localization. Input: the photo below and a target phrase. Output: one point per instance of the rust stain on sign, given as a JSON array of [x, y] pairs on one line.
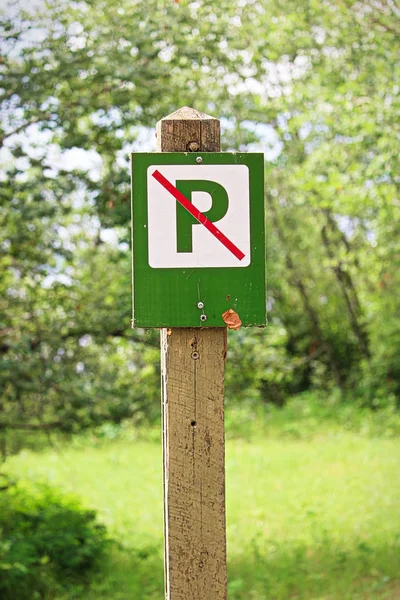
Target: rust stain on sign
[[231, 319]]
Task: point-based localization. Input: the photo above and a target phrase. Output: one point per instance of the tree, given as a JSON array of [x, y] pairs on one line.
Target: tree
[[316, 86]]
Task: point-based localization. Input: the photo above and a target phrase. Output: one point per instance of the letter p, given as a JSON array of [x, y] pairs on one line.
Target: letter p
[[185, 221]]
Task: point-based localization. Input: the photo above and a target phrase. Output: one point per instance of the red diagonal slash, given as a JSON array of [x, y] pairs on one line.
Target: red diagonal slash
[[198, 215]]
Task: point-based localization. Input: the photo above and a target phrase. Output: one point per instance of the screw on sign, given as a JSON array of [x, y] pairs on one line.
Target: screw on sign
[[198, 268]]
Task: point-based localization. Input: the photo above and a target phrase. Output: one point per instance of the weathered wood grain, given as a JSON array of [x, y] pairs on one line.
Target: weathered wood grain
[[188, 130], [192, 362]]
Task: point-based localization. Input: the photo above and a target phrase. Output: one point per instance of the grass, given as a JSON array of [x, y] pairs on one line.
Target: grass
[[313, 516]]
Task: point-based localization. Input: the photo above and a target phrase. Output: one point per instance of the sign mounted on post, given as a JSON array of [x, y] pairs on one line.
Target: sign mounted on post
[[198, 239]]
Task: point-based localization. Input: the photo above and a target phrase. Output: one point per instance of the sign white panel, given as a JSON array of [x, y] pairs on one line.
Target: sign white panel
[[231, 193]]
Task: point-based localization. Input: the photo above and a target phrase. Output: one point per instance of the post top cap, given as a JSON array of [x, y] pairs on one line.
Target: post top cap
[[186, 113]]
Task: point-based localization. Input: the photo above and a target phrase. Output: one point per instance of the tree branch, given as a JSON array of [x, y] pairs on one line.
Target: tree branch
[[386, 27], [24, 126], [309, 309]]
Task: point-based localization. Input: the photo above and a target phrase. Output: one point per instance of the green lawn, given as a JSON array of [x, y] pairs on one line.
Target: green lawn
[[312, 519]]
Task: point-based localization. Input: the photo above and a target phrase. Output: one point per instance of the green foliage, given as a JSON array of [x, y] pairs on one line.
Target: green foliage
[[312, 512], [82, 84], [260, 367], [47, 541], [280, 571], [308, 416]]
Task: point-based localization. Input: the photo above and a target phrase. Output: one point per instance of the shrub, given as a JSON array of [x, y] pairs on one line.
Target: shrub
[[47, 541]]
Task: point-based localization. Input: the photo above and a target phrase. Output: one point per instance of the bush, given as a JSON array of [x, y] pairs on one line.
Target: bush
[[48, 541]]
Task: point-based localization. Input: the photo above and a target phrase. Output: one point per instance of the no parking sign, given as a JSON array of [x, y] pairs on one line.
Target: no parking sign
[[198, 239]]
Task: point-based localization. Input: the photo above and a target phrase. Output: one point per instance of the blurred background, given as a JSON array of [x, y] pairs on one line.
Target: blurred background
[[313, 421]]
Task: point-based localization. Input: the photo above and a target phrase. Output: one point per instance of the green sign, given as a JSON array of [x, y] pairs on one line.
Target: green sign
[[198, 239]]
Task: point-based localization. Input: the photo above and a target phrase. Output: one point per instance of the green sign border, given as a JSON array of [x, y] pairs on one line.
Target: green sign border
[[169, 297]]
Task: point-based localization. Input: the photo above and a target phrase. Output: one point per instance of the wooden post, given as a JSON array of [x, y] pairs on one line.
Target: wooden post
[[192, 362]]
